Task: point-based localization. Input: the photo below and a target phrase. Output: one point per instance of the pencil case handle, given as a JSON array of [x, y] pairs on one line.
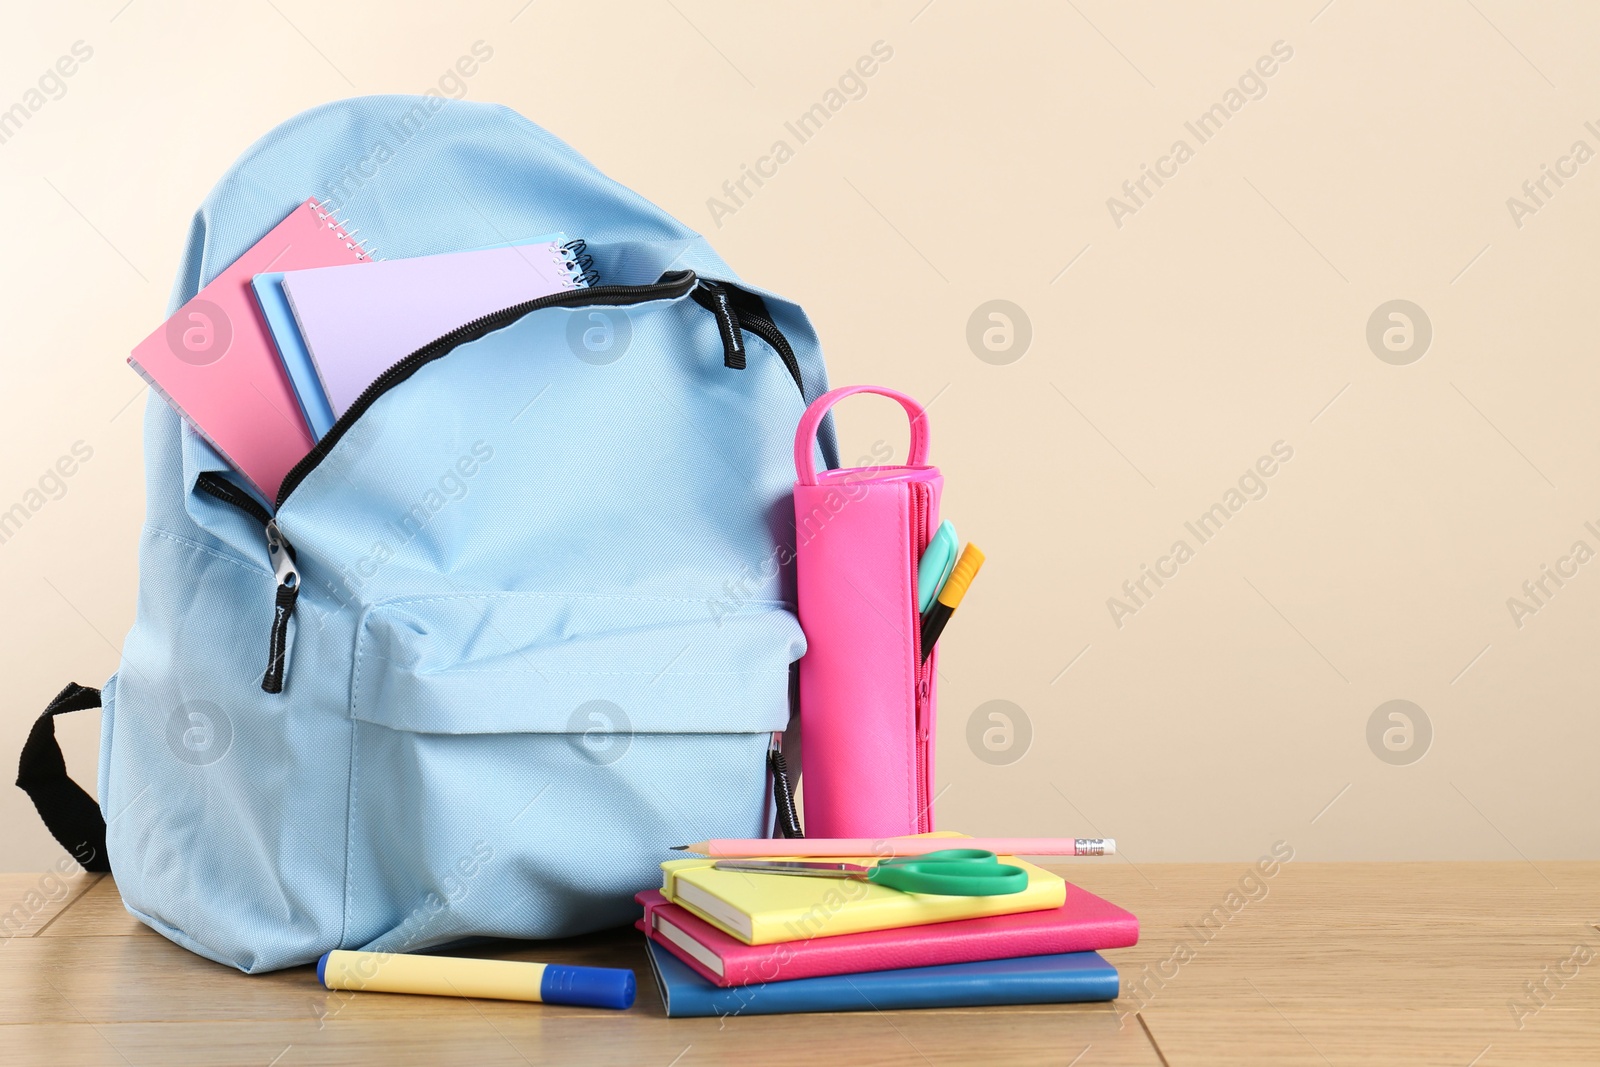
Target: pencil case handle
[[806, 435]]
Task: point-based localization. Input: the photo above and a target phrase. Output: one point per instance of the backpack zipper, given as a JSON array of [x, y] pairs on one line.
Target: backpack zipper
[[672, 285], [280, 553], [216, 486], [754, 316], [786, 814], [768, 331], [716, 299], [735, 307], [280, 556]]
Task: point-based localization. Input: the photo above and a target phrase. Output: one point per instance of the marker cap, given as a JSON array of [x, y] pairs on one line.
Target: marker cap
[[961, 576], [936, 563], [590, 987]]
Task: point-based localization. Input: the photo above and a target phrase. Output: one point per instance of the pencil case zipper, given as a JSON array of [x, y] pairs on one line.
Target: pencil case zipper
[[737, 309], [922, 702]]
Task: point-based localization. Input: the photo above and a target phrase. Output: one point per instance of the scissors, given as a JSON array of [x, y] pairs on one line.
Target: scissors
[[953, 872]]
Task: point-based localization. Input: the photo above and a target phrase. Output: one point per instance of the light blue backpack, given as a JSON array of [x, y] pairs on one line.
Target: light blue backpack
[[522, 620]]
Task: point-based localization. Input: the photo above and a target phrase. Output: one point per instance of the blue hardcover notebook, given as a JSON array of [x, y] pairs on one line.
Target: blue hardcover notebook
[[1068, 977]]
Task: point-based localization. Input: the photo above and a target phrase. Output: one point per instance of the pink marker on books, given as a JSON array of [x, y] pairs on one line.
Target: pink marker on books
[[752, 848]]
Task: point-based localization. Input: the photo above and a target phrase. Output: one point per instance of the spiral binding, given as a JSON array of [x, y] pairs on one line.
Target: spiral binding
[[345, 234], [578, 264]]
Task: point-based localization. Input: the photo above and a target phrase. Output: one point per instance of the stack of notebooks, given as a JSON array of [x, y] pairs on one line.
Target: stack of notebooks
[[265, 358], [730, 943]]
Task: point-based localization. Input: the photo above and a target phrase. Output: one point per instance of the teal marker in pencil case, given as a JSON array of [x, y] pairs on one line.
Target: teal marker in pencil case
[[933, 570]]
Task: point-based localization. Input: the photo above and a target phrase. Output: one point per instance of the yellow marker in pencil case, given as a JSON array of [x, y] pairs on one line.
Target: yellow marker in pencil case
[[949, 598]]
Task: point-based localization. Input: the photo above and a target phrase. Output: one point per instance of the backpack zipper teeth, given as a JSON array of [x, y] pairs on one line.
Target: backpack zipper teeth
[[671, 286], [768, 331], [217, 487]]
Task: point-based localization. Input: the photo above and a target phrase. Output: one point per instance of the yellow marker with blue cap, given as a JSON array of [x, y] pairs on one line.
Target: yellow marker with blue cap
[[449, 976]]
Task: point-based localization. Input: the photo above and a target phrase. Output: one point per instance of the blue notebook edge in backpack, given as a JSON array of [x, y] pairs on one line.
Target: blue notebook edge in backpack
[[541, 620]]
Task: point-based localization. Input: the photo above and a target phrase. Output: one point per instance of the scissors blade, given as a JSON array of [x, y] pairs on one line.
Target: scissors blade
[[811, 870]]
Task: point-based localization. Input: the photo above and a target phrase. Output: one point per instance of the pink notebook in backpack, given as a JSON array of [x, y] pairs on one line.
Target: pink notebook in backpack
[[866, 695], [215, 362]]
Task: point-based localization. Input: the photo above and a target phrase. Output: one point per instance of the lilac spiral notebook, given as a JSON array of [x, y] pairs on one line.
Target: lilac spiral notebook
[[356, 326]]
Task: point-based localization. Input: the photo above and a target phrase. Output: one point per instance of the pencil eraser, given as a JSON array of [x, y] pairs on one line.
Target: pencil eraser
[[589, 987]]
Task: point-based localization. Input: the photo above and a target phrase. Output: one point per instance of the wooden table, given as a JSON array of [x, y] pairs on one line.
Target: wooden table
[[1318, 964]]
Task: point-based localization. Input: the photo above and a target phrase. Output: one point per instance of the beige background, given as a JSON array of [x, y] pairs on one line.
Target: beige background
[[1228, 313]]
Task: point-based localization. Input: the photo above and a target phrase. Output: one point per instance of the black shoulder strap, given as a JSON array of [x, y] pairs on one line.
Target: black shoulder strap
[[68, 812]]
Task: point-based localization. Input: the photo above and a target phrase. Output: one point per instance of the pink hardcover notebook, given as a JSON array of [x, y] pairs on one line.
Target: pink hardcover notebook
[[215, 362], [358, 323], [1084, 923]]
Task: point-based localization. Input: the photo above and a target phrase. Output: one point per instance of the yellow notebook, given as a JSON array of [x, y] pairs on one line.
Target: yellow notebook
[[763, 909]]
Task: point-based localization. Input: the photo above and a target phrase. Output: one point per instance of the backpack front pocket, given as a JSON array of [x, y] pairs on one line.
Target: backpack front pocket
[[521, 762]]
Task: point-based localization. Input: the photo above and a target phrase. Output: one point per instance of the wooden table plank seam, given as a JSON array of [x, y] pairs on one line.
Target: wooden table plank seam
[[88, 883], [1144, 1024], [33, 902]]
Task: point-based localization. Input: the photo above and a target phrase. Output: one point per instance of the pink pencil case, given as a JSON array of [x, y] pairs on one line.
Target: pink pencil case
[[866, 696]]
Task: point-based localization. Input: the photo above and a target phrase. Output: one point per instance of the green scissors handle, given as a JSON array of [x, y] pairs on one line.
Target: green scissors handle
[[955, 872]]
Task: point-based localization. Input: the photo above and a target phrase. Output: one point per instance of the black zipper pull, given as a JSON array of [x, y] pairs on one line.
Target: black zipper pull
[[281, 555], [715, 299], [783, 791]]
